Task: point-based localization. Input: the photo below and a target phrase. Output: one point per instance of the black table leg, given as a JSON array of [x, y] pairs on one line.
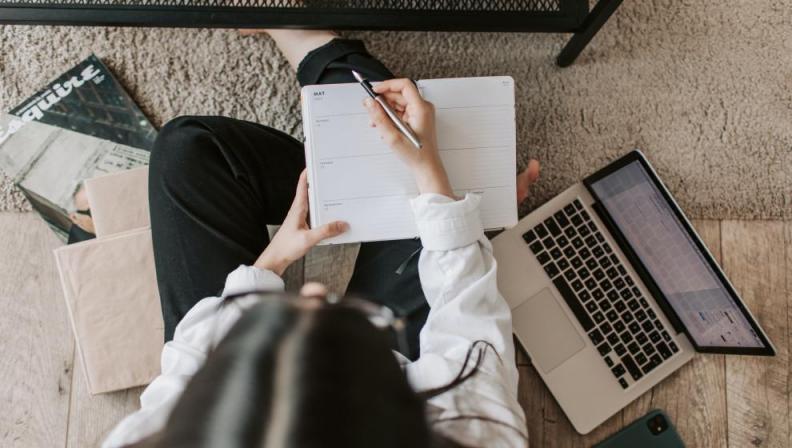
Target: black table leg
[[594, 21]]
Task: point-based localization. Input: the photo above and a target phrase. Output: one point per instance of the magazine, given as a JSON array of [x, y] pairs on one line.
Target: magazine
[[81, 125]]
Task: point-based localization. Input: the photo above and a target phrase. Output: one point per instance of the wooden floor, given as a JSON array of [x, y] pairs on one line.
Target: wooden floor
[[715, 401]]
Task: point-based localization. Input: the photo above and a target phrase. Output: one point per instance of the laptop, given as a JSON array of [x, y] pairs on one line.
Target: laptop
[[612, 290]]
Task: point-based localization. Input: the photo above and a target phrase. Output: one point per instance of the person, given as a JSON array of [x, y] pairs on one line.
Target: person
[[250, 365]]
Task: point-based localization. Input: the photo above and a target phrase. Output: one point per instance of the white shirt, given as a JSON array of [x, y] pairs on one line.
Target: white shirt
[[458, 277]]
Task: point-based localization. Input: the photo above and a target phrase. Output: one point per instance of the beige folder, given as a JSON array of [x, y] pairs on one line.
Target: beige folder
[[110, 287]]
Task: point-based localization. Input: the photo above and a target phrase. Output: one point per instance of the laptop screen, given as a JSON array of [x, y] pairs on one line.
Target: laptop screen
[[668, 252]]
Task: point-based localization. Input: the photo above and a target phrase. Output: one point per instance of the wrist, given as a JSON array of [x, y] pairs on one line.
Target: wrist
[[268, 262], [433, 179]]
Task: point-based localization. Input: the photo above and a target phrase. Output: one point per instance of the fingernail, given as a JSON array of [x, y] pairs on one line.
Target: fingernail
[[344, 226]]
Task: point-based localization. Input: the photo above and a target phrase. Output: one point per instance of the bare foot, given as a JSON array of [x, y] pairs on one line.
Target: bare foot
[[294, 44], [528, 177]]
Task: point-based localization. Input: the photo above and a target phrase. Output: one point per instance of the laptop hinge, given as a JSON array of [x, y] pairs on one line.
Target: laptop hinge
[[639, 267]]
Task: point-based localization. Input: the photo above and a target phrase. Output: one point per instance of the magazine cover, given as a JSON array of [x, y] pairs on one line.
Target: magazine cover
[[83, 124]]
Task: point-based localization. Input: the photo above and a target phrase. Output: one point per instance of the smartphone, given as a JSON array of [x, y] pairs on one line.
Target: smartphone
[[653, 430]]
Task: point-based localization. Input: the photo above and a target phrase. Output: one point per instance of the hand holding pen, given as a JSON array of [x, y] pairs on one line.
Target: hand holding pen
[[406, 102]]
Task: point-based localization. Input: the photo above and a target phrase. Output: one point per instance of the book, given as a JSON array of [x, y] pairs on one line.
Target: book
[[354, 176], [82, 124]]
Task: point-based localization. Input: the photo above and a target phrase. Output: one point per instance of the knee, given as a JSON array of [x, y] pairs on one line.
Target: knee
[[177, 146]]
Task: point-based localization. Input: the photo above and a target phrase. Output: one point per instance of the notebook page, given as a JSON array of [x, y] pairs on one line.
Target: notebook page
[[356, 178]]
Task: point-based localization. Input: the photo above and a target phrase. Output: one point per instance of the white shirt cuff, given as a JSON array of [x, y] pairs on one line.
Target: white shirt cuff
[[250, 278], [446, 224]]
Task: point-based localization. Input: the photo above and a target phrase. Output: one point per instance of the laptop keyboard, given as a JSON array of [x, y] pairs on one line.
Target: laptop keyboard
[[600, 292]]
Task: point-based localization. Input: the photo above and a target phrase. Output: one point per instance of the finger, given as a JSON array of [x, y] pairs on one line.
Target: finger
[[326, 231], [395, 99], [528, 177], [313, 289], [299, 208], [404, 86], [388, 131]]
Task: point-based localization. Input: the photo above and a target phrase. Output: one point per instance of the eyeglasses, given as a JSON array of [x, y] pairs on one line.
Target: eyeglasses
[[380, 316]]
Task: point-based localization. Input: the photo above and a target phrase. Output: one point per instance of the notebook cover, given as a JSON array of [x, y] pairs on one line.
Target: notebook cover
[[114, 307], [119, 201]]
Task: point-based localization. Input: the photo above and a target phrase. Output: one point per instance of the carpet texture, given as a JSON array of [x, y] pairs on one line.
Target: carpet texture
[[704, 88]]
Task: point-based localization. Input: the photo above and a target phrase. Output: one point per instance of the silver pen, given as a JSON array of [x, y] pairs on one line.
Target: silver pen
[[385, 106]]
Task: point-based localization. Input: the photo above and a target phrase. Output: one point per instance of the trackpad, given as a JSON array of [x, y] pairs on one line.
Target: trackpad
[[545, 331]]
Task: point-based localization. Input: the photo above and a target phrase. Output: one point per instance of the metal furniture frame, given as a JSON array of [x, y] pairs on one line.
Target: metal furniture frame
[[552, 16]]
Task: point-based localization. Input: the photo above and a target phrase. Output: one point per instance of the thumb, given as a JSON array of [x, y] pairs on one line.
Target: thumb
[[326, 231]]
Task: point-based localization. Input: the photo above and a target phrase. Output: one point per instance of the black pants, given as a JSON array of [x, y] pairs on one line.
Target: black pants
[[216, 182]]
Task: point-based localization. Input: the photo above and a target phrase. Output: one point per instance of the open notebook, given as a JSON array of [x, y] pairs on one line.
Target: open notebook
[[354, 177]]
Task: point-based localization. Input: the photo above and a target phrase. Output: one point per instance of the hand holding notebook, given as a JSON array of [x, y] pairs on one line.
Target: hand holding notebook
[[357, 176]]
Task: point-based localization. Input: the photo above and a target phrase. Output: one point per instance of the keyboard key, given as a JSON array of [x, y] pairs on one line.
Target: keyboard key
[[570, 232], [543, 258], [569, 210], [651, 313], [626, 337], [634, 327], [599, 275], [561, 218], [584, 231], [577, 242], [584, 253], [604, 261], [619, 283], [529, 236], [633, 305], [641, 359], [618, 326], [600, 238], [548, 242], [597, 251], [648, 348], [658, 324], [569, 251], [569, 274], [664, 351], [577, 285], [596, 337], [641, 339], [634, 348], [640, 315], [606, 328], [590, 283], [578, 205], [626, 294], [618, 371], [577, 220], [608, 361], [585, 215], [592, 227], [605, 305], [643, 302], [583, 273], [672, 345], [562, 241], [630, 282], [592, 307], [591, 242], [607, 248], [634, 289], [573, 303], [577, 262], [655, 337], [647, 326], [592, 264], [551, 269], [536, 247], [555, 253], [666, 336], [552, 227], [623, 383], [584, 295], [621, 269], [619, 349], [598, 294], [540, 230], [613, 339], [598, 317], [620, 306], [605, 284], [604, 348], [612, 273], [627, 317], [613, 296], [613, 317], [635, 372]]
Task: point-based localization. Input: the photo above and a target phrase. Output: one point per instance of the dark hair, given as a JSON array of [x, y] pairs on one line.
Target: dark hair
[[285, 376]]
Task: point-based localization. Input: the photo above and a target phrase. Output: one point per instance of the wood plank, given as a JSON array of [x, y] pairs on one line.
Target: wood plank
[[531, 395], [788, 250], [695, 396], [331, 265], [92, 416], [758, 388], [36, 370]]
